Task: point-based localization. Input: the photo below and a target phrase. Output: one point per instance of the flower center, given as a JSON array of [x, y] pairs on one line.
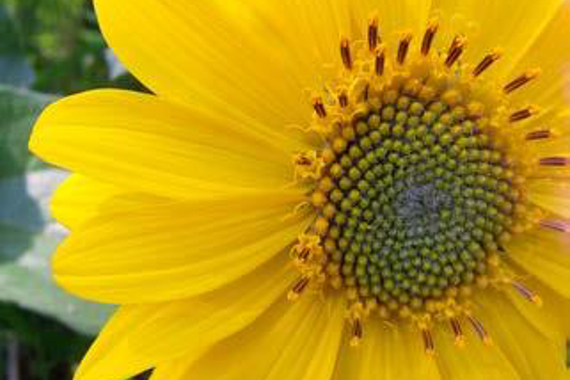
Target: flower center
[[418, 196], [418, 184]]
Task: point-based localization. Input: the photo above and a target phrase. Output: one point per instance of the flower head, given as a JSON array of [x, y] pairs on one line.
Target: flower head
[[322, 190]]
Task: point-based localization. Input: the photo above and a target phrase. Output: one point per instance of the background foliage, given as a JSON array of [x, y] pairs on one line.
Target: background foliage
[[48, 49]]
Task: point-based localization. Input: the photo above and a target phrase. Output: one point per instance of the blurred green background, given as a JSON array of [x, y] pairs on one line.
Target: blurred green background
[[48, 49]]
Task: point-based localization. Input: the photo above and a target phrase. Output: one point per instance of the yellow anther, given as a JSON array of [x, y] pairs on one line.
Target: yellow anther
[[308, 165], [322, 226], [318, 199]]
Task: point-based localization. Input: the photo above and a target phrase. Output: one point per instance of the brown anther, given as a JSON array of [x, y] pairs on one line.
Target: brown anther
[[366, 92], [538, 135], [429, 36], [486, 63], [356, 333], [480, 330], [557, 225], [527, 293], [403, 48], [298, 288], [455, 50], [319, 107], [380, 60], [554, 161], [457, 331], [428, 342], [345, 53], [523, 114], [343, 99], [521, 81], [373, 36]]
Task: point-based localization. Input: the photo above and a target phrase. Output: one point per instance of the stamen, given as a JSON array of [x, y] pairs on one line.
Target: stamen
[[308, 165], [404, 47], [521, 81], [458, 332], [455, 50], [526, 292], [308, 245], [538, 135], [480, 330], [428, 342], [366, 92], [380, 60], [346, 54], [523, 114], [373, 37], [557, 225], [357, 332], [429, 36], [343, 99], [298, 288], [554, 161], [486, 63], [319, 107]]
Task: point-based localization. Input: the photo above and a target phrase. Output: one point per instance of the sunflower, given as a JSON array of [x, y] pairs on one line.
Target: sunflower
[[322, 189]]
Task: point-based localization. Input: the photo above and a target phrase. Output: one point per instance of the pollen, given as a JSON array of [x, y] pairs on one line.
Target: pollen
[[417, 186]]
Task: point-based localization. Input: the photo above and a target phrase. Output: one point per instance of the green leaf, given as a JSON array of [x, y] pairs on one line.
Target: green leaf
[[26, 280], [18, 110], [16, 71]]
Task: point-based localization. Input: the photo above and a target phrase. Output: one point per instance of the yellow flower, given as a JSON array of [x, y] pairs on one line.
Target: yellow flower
[[323, 189]]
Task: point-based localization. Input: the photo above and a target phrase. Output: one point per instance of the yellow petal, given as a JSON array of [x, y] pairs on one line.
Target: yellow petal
[[140, 142], [190, 325], [512, 25], [544, 253], [79, 198], [250, 57], [551, 195], [175, 250], [110, 356], [532, 354], [297, 341], [474, 361], [551, 53], [173, 370], [386, 353], [144, 335], [551, 318]]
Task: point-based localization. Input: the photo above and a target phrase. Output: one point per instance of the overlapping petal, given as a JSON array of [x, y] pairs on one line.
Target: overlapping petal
[[144, 143], [176, 250], [544, 253], [387, 352], [298, 341], [251, 58], [148, 334], [511, 25], [533, 355]]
